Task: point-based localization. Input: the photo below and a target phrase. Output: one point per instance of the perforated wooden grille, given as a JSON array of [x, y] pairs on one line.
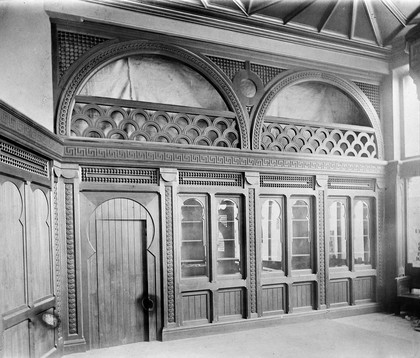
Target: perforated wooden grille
[[228, 66], [119, 175], [351, 183], [148, 125], [312, 139], [266, 73], [286, 181], [19, 158], [372, 93], [203, 178], [73, 45]]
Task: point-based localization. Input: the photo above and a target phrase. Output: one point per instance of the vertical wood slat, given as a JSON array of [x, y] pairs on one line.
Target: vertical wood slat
[[339, 291], [364, 288], [16, 340], [273, 299], [195, 306], [120, 244], [302, 295], [231, 302]]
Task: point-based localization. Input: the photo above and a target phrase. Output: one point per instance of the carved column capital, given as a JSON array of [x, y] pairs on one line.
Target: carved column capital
[[321, 181], [169, 174], [252, 178]]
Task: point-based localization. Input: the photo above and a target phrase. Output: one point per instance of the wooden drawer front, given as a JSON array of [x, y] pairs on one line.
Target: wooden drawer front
[[364, 289], [231, 303], [195, 307], [273, 299], [339, 292], [303, 295]]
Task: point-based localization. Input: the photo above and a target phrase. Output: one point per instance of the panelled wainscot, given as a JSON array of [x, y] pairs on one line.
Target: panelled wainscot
[[200, 192]]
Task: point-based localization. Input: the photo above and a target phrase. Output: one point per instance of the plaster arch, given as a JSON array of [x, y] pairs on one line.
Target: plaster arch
[[97, 59], [292, 77]]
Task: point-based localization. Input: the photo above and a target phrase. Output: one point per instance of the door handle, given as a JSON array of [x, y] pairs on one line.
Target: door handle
[[148, 304]]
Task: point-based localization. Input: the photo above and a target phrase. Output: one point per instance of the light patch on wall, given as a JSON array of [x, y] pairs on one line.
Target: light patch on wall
[[316, 102]]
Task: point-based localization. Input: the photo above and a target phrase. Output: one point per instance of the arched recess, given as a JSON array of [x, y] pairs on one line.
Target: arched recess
[[92, 62], [293, 77]]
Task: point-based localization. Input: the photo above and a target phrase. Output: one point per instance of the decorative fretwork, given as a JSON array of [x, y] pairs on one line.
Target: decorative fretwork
[[351, 183], [71, 261], [119, 175], [372, 93], [312, 139], [266, 73], [71, 46], [228, 66], [210, 178], [286, 181], [19, 158], [154, 125]]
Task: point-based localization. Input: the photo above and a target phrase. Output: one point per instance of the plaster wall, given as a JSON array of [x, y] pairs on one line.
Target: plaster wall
[[25, 59]]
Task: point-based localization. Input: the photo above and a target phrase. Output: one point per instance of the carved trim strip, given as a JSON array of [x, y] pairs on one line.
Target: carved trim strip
[[119, 50], [71, 261], [229, 160], [19, 158], [321, 243], [292, 77], [210, 178], [286, 181], [252, 251], [57, 259], [170, 254], [119, 175], [380, 238], [351, 183]]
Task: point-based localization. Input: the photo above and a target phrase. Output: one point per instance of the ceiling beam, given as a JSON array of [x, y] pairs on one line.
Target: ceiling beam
[[327, 15], [262, 6], [372, 19], [302, 6], [353, 19], [241, 7], [393, 9]]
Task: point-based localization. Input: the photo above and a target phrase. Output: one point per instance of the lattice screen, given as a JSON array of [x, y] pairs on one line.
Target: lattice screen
[[371, 92]]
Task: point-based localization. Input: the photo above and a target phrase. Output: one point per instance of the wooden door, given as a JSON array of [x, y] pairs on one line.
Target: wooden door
[[118, 275]]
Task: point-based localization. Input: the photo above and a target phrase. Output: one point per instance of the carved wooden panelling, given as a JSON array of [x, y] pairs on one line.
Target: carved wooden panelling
[[57, 255], [119, 175], [351, 183], [311, 139], [228, 66], [273, 298], [231, 302], [372, 92], [338, 291], [210, 178], [302, 295], [252, 251], [19, 158], [16, 340], [12, 253], [71, 46], [44, 338], [148, 125], [195, 306], [321, 245], [170, 271], [364, 288], [286, 181]]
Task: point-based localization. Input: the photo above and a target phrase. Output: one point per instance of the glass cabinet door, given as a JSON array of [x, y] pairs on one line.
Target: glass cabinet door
[[272, 235], [193, 238], [338, 230], [363, 239], [301, 234], [228, 243]]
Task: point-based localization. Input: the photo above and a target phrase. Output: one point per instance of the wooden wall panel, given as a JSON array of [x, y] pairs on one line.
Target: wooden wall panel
[[231, 303], [43, 337], [117, 232], [16, 341], [39, 243], [273, 298], [12, 253], [338, 291], [364, 288], [302, 295], [195, 307]]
